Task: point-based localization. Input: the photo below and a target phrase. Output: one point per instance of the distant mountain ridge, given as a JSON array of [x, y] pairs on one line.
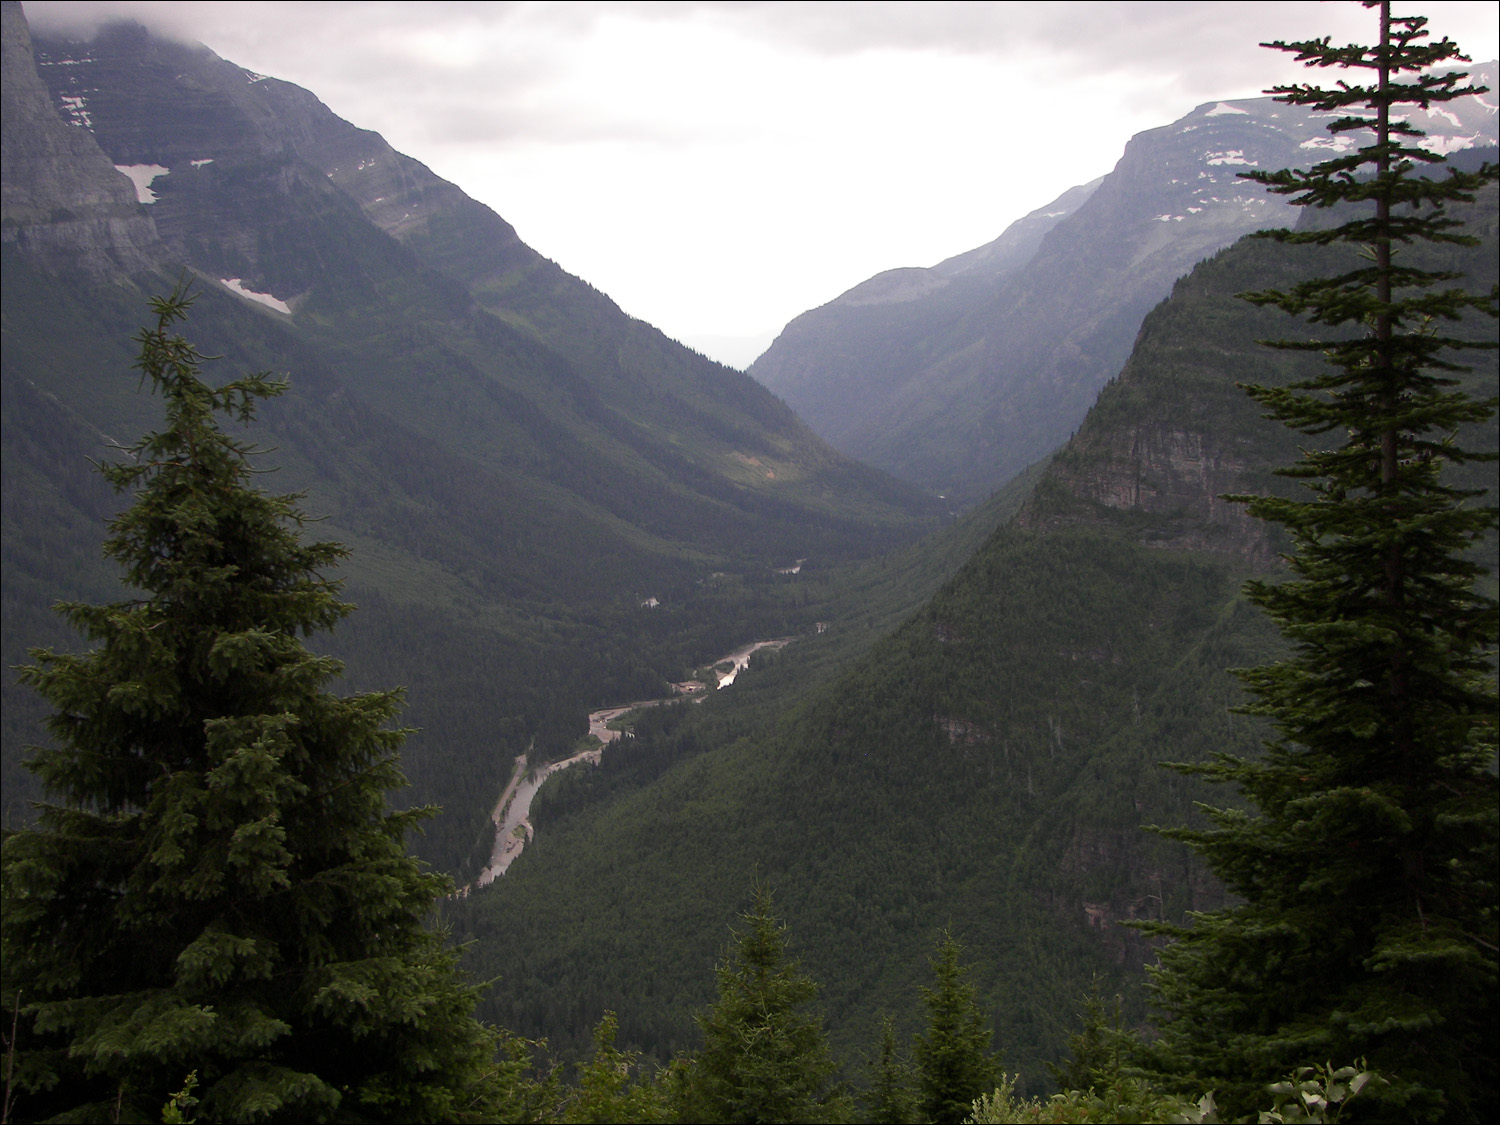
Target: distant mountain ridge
[[957, 376]]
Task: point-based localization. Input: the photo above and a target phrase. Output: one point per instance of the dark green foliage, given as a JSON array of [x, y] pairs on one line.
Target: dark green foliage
[[518, 1089], [608, 1091], [1099, 1049], [764, 1057], [1367, 863], [219, 887], [892, 1098], [1082, 648], [876, 818], [955, 1062]]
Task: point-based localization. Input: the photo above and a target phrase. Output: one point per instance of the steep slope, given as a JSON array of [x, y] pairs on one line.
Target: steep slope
[[956, 386], [233, 147], [871, 339], [510, 503], [988, 766], [61, 197]]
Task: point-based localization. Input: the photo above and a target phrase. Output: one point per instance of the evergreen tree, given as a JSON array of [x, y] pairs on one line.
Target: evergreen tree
[[606, 1090], [1099, 1050], [218, 901], [765, 1057], [892, 1093], [1367, 861], [955, 1063]]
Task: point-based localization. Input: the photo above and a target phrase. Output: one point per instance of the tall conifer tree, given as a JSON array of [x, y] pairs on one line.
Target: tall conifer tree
[[893, 1097], [955, 1062], [219, 885], [1367, 861], [765, 1056]]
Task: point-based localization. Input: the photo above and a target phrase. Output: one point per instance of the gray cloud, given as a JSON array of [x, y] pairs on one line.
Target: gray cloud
[[1189, 51], [362, 60], [1202, 47]]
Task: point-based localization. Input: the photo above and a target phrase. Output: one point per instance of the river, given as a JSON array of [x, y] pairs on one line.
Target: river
[[739, 659], [512, 815]]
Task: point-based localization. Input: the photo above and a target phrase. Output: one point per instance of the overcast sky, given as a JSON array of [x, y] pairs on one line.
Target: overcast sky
[[718, 168]]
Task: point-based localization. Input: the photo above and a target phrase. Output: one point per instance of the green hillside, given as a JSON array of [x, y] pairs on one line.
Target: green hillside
[[988, 766], [552, 508], [514, 482]]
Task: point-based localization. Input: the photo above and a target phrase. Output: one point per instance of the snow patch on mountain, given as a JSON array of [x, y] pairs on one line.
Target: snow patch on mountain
[[77, 110], [234, 286], [141, 176], [1340, 143], [1224, 107]]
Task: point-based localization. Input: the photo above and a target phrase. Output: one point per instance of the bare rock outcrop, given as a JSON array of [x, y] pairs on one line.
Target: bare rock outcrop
[[1171, 482], [63, 201]]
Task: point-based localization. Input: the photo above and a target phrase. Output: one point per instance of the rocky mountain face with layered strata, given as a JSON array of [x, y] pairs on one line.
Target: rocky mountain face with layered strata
[[62, 199]]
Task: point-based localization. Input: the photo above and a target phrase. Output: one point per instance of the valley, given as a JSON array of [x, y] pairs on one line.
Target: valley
[[986, 765], [515, 463], [985, 517]]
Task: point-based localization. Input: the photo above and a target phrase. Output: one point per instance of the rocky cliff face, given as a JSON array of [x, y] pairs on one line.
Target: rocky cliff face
[[227, 121], [1171, 482], [63, 201], [248, 175], [1174, 432]]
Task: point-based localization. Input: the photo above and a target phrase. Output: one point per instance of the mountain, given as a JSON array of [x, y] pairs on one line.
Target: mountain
[[957, 376], [516, 464], [988, 765], [61, 198]]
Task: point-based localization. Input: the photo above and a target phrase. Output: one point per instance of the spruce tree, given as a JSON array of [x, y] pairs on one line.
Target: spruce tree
[[892, 1098], [765, 1056], [1099, 1050], [608, 1091], [218, 886], [955, 1063], [1366, 861]]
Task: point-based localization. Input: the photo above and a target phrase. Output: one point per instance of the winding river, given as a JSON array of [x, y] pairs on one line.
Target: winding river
[[512, 815]]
